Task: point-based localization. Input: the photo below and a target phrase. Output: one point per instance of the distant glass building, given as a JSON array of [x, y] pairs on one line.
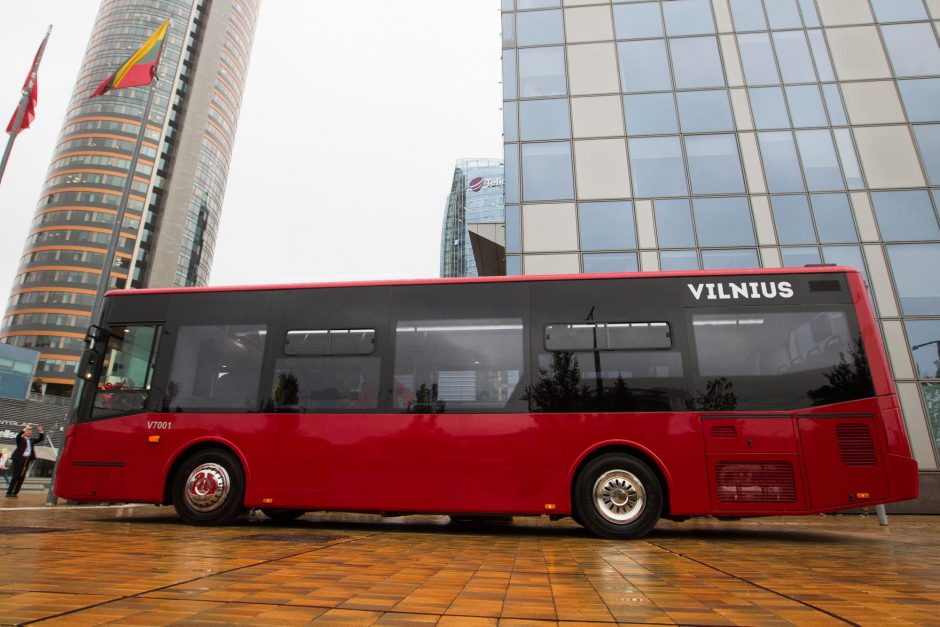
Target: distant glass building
[[16, 371], [476, 197], [677, 134], [173, 214]]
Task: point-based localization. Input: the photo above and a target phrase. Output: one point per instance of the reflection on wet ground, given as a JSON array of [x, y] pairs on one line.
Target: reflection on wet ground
[[140, 565]]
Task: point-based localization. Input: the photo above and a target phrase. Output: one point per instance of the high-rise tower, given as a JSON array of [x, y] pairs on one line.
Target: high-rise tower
[[175, 204], [476, 198]]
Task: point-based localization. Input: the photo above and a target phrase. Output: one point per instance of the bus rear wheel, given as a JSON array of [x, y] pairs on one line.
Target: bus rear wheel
[[283, 515], [618, 497], [209, 488]]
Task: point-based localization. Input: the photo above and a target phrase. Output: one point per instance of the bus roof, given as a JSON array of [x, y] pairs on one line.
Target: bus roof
[[814, 269]]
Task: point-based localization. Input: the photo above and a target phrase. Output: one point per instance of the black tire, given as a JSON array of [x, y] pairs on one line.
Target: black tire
[[209, 488], [283, 515], [617, 496]]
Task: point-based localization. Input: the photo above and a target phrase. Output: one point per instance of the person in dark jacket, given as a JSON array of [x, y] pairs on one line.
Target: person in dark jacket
[[22, 457]]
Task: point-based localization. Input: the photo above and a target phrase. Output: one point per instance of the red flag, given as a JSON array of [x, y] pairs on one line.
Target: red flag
[[31, 84], [30, 114]]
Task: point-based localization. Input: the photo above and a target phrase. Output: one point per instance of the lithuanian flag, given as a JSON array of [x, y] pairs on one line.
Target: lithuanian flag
[[140, 68]]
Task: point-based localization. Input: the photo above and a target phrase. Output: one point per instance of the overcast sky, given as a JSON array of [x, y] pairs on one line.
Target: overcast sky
[[353, 117]]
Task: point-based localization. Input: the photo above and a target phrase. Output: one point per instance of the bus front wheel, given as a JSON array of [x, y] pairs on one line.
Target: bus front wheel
[[617, 496], [209, 488]]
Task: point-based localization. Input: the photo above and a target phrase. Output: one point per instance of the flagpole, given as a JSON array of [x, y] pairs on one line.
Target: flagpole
[[24, 102], [105, 278], [20, 111]]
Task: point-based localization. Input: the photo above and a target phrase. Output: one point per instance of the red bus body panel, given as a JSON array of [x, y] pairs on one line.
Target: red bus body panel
[[714, 463], [486, 463], [511, 463]]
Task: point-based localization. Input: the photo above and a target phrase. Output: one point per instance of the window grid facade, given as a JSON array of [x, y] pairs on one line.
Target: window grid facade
[[735, 133]]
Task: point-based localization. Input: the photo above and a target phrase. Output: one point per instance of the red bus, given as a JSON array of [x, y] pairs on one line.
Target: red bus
[[613, 399]]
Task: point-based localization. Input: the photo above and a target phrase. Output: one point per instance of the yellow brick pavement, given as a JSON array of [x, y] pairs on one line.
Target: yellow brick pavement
[[141, 566]]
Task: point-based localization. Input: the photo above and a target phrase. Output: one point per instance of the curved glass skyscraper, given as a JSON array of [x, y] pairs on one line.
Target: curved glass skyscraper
[[476, 196], [175, 204]]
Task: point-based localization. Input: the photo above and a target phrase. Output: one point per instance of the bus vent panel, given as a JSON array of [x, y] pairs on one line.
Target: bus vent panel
[[827, 285], [755, 482], [856, 447]]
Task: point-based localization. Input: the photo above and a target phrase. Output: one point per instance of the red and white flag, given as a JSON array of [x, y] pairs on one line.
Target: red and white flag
[[31, 84]]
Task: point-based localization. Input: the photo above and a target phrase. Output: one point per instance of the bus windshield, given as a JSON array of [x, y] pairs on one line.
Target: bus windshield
[[126, 371]]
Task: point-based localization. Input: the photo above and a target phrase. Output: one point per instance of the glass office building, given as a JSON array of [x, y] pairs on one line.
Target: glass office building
[[675, 134], [175, 203], [476, 197], [16, 371]]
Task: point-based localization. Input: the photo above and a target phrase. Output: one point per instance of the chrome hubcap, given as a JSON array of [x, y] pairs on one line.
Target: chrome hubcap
[[207, 487], [619, 496]]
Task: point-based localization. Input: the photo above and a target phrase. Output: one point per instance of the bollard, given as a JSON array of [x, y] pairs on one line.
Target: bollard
[[882, 515]]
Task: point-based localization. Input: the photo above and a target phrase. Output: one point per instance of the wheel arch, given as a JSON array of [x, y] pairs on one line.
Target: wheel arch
[[184, 453], [629, 448]]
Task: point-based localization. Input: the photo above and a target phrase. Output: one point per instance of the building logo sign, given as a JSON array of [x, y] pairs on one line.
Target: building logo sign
[[6, 433], [479, 183], [752, 290]]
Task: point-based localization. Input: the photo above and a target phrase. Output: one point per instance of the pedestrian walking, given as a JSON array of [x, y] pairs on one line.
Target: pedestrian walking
[[22, 457], [5, 465]]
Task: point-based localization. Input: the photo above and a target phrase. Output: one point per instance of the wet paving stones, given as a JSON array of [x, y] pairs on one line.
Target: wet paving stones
[[141, 566]]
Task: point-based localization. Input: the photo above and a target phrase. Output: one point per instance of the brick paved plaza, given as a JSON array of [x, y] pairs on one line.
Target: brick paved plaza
[[139, 565]]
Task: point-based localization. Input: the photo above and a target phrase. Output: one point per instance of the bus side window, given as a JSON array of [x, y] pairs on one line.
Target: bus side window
[[216, 367], [329, 370], [762, 358], [608, 366], [469, 365], [330, 384]]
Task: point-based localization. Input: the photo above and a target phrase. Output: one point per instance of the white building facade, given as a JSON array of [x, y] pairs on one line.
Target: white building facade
[[679, 134]]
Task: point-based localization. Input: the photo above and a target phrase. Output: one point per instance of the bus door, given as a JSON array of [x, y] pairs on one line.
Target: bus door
[[323, 397], [116, 376], [466, 442]]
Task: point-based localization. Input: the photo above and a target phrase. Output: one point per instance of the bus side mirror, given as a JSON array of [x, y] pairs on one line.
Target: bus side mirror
[[88, 366], [96, 334]]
